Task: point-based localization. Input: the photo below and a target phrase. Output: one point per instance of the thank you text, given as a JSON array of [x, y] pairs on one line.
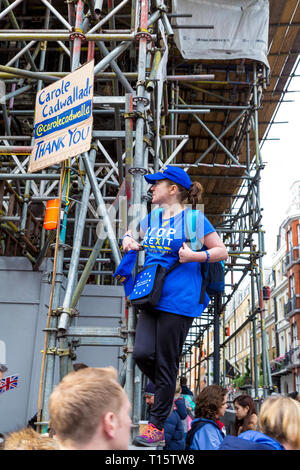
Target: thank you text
[[63, 119]]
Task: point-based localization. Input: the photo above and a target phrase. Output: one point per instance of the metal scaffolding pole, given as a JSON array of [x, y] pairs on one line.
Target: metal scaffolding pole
[[132, 386], [259, 277]]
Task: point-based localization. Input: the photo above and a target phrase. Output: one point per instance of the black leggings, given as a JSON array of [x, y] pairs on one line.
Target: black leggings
[[158, 344]]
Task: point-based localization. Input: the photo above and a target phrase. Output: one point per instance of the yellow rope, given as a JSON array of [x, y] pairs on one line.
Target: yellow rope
[[79, 171]]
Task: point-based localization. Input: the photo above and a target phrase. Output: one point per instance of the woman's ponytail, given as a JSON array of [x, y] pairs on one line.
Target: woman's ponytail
[[195, 194], [192, 196]]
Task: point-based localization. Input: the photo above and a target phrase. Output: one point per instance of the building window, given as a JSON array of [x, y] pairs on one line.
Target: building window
[[281, 345], [278, 275], [267, 340], [274, 276], [279, 310], [289, 340], [292, 285], [289, 239], [295, 335]]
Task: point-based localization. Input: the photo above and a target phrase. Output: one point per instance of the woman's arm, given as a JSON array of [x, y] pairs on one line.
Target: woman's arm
[[215, 248], [129, 243]]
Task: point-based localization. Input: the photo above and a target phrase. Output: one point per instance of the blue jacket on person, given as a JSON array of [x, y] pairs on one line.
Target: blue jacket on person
[[208, 437], [173, 428], [250, 440]]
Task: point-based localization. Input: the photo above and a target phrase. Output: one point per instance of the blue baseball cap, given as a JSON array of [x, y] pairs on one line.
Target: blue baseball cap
[[173, 173], [123, 272]]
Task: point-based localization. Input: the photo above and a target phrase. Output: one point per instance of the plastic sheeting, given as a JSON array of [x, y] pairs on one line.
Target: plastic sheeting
[[240, 29]]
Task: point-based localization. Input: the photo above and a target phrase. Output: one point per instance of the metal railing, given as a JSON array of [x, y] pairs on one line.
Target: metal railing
[[291, 305], [293, 256]]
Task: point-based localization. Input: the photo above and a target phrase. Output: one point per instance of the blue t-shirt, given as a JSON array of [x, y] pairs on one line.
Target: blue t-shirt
[[162, 240]]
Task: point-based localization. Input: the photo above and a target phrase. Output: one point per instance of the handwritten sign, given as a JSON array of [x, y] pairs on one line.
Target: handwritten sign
[[63, 119]]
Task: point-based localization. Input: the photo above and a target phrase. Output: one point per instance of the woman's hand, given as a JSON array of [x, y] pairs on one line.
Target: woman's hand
[[129, 243], [186, 255]]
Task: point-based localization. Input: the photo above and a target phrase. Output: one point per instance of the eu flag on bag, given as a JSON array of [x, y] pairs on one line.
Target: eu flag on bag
[[143, 282]]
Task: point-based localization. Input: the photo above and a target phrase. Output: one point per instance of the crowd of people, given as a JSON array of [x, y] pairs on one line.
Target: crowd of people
[[89, 410]]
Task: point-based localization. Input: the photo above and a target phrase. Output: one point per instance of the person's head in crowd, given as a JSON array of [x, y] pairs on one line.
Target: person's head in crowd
[[294, 395], [89, 410], [29, 439], [211, 403], [183, 381], [279, 418], [246, 415], [149, 394], [3, 369], [79, 366], [178, 390]]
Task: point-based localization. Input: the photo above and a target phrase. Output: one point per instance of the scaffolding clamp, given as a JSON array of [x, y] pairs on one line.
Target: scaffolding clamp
[[129, 115], [128, 349], [58, 352], [95, 147], [77, 34], [64, 352], [72, 312], [141, 99], [143, 34], [147, 141], [52, 351], [137, 170]]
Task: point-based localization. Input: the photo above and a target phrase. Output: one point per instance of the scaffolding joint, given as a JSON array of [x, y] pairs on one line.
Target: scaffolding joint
[[129, 115], [143, 34], [50, 330], [77, 34], [137, 170], [50, 351], [128, 349], [72, 312], [64, 352], [162, 7], [147, 141], [141, 99]]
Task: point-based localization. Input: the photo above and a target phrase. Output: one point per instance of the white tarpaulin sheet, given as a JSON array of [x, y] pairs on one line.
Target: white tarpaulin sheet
[[240, 29]]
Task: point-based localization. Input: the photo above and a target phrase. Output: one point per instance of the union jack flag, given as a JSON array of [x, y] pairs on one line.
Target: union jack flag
[[9, 383]]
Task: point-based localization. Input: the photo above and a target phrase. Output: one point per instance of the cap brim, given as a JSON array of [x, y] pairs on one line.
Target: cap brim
[[152, 178]]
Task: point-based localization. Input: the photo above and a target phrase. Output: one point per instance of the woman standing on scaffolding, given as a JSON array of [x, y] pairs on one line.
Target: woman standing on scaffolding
[[161, 332]]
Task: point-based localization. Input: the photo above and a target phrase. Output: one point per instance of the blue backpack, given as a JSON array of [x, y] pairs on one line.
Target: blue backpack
[[213, 281]]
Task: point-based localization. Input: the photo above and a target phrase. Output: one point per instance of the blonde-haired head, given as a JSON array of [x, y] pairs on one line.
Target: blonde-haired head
[[279, 418], [28, 439], [79, 401]]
